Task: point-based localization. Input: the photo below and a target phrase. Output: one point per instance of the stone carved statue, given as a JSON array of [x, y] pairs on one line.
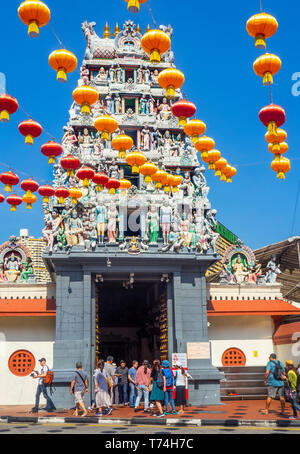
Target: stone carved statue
[[12, 267], [166, 219], [112, 215], [152, 222], [272, 271], [74, 230], [164, 110], [101, 221]]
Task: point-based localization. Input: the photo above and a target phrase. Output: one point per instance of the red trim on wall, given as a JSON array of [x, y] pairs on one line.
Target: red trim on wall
[[27, 307], [250, 307]]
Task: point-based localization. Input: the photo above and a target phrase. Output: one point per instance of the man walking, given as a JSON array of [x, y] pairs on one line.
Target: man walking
[[79, 387], [110, 373], [132, 385], [41, 389], [274, 379]]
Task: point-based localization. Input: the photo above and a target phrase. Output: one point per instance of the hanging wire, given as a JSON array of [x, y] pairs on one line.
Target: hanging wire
[[55, 34], [260, 1], [150, 10], [295, 209]]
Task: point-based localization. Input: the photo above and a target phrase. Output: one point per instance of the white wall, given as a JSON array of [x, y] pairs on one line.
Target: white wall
[[35, 334], [248, 333], [288, 351]]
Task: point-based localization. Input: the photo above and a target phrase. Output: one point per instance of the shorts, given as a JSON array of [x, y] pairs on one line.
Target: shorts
[[79, 395], [274, 391]]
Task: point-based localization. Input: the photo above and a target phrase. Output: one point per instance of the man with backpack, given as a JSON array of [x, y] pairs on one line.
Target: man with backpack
[[42, 389], [274, 380], [79, 387], [169, 387]]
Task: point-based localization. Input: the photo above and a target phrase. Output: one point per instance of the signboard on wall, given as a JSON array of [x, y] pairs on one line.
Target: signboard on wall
[[198, 350], [181, 357]]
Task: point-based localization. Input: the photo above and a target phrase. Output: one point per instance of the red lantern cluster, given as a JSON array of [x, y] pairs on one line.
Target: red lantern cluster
[[183, 109], [70, 163], [8, 106], [262, 26], [100, 179], [85, 174], [31, 130], [113, 184], [46, 191], [9, 179], [51, 150]]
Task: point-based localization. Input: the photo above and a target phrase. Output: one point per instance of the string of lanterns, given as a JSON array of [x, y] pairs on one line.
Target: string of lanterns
[[35, 14], [261, 27]]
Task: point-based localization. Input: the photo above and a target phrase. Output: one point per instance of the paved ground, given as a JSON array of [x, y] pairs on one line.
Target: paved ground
[[228, 410], [153, 432]]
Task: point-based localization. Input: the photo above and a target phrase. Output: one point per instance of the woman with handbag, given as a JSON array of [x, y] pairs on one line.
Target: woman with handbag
[[159, 386], [102, 384], [291, 387]]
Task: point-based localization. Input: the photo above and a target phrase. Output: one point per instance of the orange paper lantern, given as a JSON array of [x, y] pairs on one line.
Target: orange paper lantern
[[171, 79], [155, 43], [63, 62], [85, 96]]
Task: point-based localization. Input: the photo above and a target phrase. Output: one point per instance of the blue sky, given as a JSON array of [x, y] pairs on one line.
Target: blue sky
[[216, 54]]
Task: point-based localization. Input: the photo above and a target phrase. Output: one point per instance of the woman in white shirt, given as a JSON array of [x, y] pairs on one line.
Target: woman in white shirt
[[181, 375]]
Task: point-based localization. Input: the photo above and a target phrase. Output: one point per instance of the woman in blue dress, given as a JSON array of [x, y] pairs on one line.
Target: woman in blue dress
[[159, 386]]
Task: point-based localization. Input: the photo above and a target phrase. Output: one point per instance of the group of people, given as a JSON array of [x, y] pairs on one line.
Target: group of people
[[283, 382], [156, 385]]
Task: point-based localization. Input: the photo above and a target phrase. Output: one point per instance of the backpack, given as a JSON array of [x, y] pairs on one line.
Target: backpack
[[278, 371], [49, 378], [169, 378], [160, 380]]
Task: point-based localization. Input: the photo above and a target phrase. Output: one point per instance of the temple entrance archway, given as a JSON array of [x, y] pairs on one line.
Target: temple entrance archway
[[131, 319]]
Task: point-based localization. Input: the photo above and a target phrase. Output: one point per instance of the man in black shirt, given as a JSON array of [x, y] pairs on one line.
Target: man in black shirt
[[122, 374]]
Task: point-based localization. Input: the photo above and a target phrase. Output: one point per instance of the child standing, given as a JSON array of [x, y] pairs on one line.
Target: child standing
[[169, 388]]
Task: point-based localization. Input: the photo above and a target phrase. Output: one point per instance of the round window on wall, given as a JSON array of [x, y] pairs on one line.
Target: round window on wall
[[233, 357], [21, 363]]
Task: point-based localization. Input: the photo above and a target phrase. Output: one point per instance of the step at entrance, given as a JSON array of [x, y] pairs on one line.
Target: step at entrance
[[244, 383]]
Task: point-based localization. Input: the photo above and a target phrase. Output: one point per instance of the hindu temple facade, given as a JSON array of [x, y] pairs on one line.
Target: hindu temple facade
[[143, 272]]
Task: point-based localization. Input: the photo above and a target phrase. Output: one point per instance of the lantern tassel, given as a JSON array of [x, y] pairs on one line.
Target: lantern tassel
[[155, 56], [133, 6], [267, 79], [260, 42], [272, 128], [4, 116], [29, 139], [61, 75], [33, 29]]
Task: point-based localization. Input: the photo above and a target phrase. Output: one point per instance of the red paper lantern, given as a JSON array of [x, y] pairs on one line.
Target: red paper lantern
[[273, 117], [85, 174], [8, 106], [100, 179], [51, 149], [70, 163], [31, 130], [183, 109], [46, 191], [14, 200], [29, 186], [9, 179], [112, 185], [2, 198], [62, 193]]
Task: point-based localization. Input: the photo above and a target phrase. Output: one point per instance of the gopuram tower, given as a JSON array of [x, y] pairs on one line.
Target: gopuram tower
[[130, 256]]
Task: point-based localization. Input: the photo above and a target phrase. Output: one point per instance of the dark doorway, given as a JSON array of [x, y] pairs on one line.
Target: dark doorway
[[130, 320]]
